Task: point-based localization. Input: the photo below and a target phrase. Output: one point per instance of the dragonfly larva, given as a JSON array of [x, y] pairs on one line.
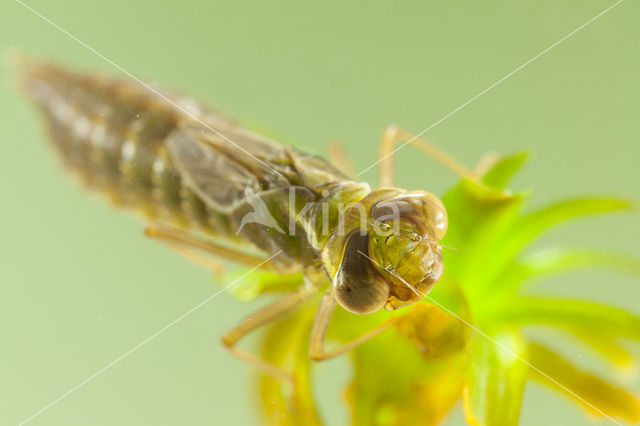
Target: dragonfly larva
[[205, 183]]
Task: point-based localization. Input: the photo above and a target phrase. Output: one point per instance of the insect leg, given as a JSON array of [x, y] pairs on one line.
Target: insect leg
[[485, 163], [175, 238], [262, 317], [321, 323], [392, 135], [338, 157], [213, 265]]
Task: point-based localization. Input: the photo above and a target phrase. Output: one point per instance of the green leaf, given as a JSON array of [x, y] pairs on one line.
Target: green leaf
[[287, 345], [501, 172], [609, 348], [495, 380], [394, 384], [570, 314], [595, 394], [472, 207], [547, 262], [533, 224], [596, 325], [550, 261], [524, 230], [478, 215]]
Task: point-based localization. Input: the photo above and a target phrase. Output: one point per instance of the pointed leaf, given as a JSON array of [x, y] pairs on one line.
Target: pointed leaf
[[472, 207], [609, 348], [596, 325], [287, 345], [478, 216], [501, 172], [495, 380], [595, 394], [533, 224], [556, 260], [394, 384], [570, 314], [525, 229]]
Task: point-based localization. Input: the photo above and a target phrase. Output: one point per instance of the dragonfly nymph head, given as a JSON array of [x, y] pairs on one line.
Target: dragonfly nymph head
[[386, 251]]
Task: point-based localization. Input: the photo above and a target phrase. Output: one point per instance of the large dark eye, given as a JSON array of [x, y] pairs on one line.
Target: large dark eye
[[357, 285], [421, 208]]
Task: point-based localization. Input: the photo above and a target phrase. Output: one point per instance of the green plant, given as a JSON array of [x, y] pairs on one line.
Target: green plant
[[468, 338]]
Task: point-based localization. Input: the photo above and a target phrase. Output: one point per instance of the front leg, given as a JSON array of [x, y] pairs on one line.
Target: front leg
[[185, 243], [392, 135], [338, 156], [321, 323], [260, 318]]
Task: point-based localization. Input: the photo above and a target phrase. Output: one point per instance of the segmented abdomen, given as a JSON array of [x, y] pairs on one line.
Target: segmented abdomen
[[112, 134]]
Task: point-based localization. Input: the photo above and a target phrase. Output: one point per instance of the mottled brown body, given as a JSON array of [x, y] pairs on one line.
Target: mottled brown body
[[112, 134], [185, 166], [181, 164]]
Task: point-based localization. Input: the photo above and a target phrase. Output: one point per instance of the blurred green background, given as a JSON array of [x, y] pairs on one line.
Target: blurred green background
[[80, 285]]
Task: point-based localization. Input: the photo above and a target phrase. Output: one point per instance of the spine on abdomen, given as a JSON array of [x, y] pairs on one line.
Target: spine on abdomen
[[112, 135]]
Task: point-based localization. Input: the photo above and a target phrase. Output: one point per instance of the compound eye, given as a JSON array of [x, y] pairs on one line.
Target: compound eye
[[421, 208], [357, 285], [361, 297]]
